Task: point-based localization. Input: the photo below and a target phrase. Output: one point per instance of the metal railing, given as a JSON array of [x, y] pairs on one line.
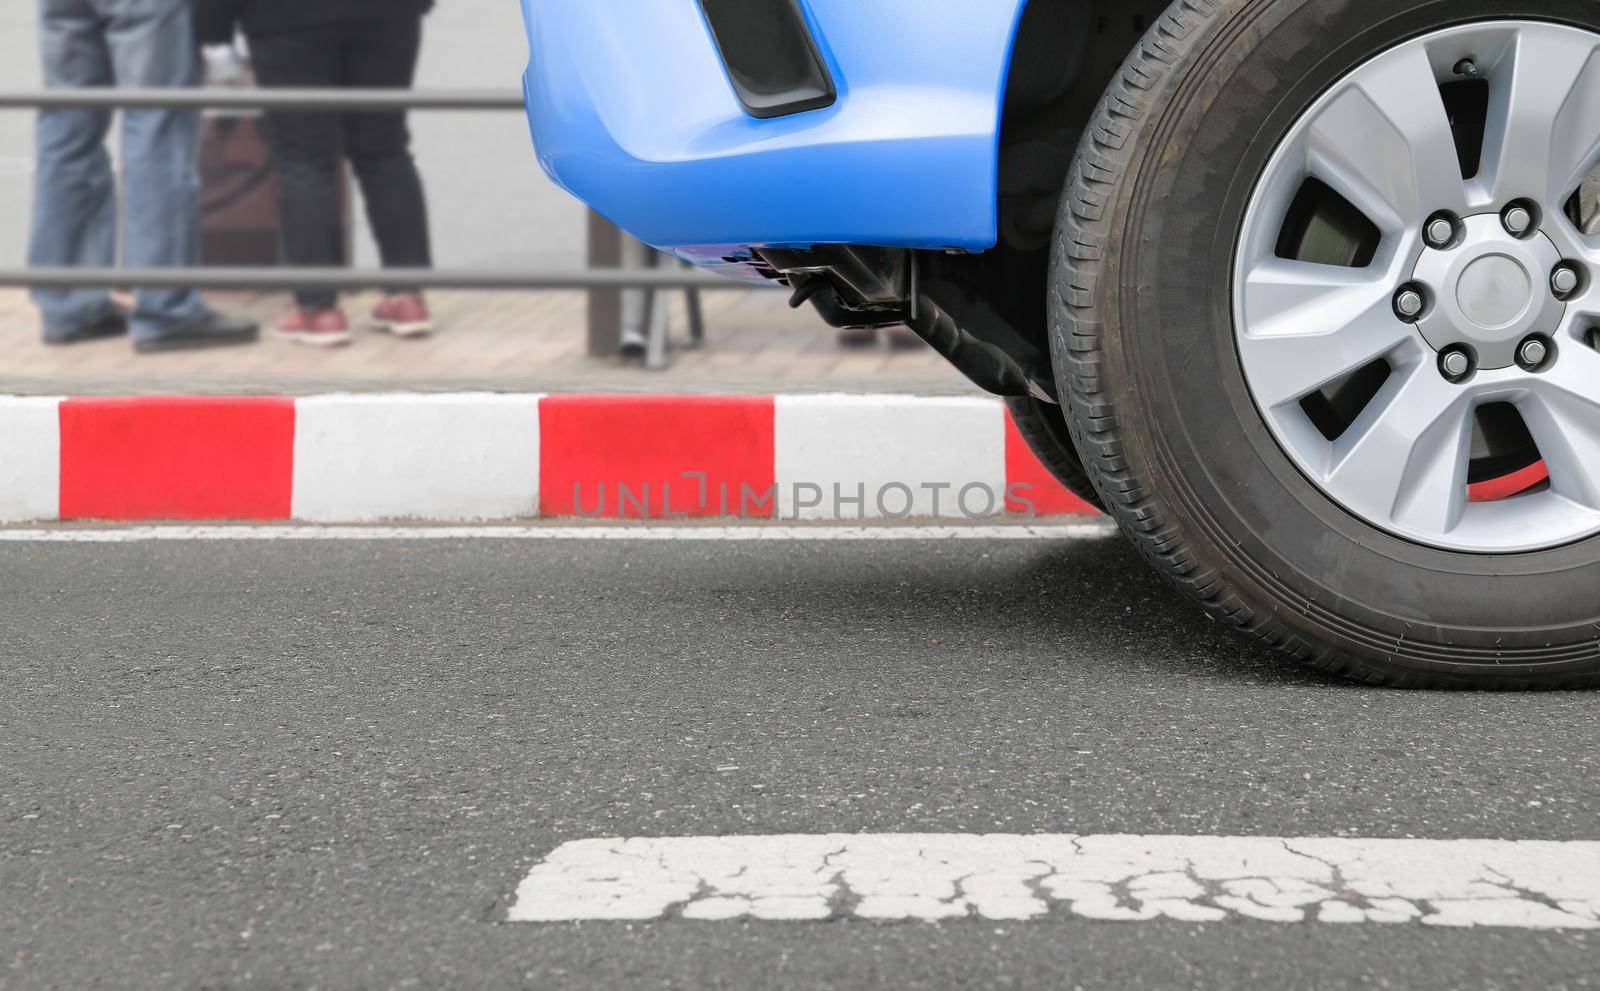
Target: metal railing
[[228, 98], [605, 280], [269, 279]]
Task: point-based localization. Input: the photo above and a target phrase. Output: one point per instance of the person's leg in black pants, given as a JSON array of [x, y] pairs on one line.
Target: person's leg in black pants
[[383, 54], [306, 150]]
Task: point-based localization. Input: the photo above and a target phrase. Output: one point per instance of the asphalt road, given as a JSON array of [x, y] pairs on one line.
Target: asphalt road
[[328, 765]]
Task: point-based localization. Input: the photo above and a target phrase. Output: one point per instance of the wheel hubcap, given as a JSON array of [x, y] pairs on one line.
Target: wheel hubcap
[[1491, 291], [1393, 184], [1494, 291]]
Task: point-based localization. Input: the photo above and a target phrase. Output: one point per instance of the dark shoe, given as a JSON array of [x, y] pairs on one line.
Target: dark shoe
[[209, 330], [113, 324]]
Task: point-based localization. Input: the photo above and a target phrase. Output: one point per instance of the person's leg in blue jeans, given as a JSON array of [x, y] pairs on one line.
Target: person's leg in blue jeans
[[74, 191], [152, 45], [132, 43]]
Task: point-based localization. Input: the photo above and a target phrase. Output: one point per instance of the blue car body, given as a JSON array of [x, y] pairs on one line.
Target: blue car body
[[633, 111]]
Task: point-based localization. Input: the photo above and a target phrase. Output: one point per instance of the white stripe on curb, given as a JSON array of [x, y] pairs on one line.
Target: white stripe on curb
[[639, 533], [1527, 884], [889, 457], [393, 457], [30, 460]]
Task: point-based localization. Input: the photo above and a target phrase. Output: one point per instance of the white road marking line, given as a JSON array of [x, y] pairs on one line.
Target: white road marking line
[[754, 532], [1527, 884]]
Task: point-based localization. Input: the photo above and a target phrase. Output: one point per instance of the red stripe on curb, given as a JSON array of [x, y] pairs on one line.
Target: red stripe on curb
[[1030, 488], [177, 458], [627, 456]]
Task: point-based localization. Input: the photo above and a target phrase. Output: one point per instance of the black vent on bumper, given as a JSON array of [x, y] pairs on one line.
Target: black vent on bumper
[[771, 56]]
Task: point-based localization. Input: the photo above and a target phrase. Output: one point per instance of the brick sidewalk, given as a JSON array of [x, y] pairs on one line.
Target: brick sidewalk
[[527, 342]]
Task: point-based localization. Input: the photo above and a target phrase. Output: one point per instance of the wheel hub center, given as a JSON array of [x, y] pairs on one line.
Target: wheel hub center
[[1494, 291], [1490, 290]]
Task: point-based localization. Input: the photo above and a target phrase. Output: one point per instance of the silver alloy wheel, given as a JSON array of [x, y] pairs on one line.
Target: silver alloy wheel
[[1382, 140]]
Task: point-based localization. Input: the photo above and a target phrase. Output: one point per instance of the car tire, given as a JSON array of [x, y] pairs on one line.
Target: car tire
[[1147, 358], [1044, 427]]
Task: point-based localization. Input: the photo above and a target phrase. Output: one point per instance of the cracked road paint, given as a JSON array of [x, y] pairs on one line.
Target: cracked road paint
[[1523, 884]]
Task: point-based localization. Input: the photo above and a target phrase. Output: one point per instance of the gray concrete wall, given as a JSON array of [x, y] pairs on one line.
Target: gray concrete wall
[[490, 202]]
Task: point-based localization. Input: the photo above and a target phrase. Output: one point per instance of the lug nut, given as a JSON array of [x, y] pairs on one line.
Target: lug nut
[[1517, 220], [1440, 232], [1533, 353], [1564, 279], [1456, 363], [1409, 303]]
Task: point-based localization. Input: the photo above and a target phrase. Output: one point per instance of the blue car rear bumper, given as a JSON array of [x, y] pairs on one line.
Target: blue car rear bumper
[[633, 112]]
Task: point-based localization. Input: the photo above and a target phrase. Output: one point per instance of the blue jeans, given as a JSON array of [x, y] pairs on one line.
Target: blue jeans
[[143, 43]]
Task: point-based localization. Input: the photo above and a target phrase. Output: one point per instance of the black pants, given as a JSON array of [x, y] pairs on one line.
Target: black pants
[[378, 53]]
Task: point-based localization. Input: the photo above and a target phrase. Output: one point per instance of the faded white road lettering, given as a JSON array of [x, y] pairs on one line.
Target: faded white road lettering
[[1524, 884]]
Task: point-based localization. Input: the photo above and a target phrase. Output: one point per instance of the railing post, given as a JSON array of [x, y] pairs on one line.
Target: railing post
[[605, 305]]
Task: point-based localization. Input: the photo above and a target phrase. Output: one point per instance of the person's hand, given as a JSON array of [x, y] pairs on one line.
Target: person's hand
[[224, 65]]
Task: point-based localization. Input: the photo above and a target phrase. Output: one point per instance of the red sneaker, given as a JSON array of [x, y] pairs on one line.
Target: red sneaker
[[403, 315], [318, 328]]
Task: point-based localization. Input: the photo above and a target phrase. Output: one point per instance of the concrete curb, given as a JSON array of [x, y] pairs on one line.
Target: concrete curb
[[475, 457]]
